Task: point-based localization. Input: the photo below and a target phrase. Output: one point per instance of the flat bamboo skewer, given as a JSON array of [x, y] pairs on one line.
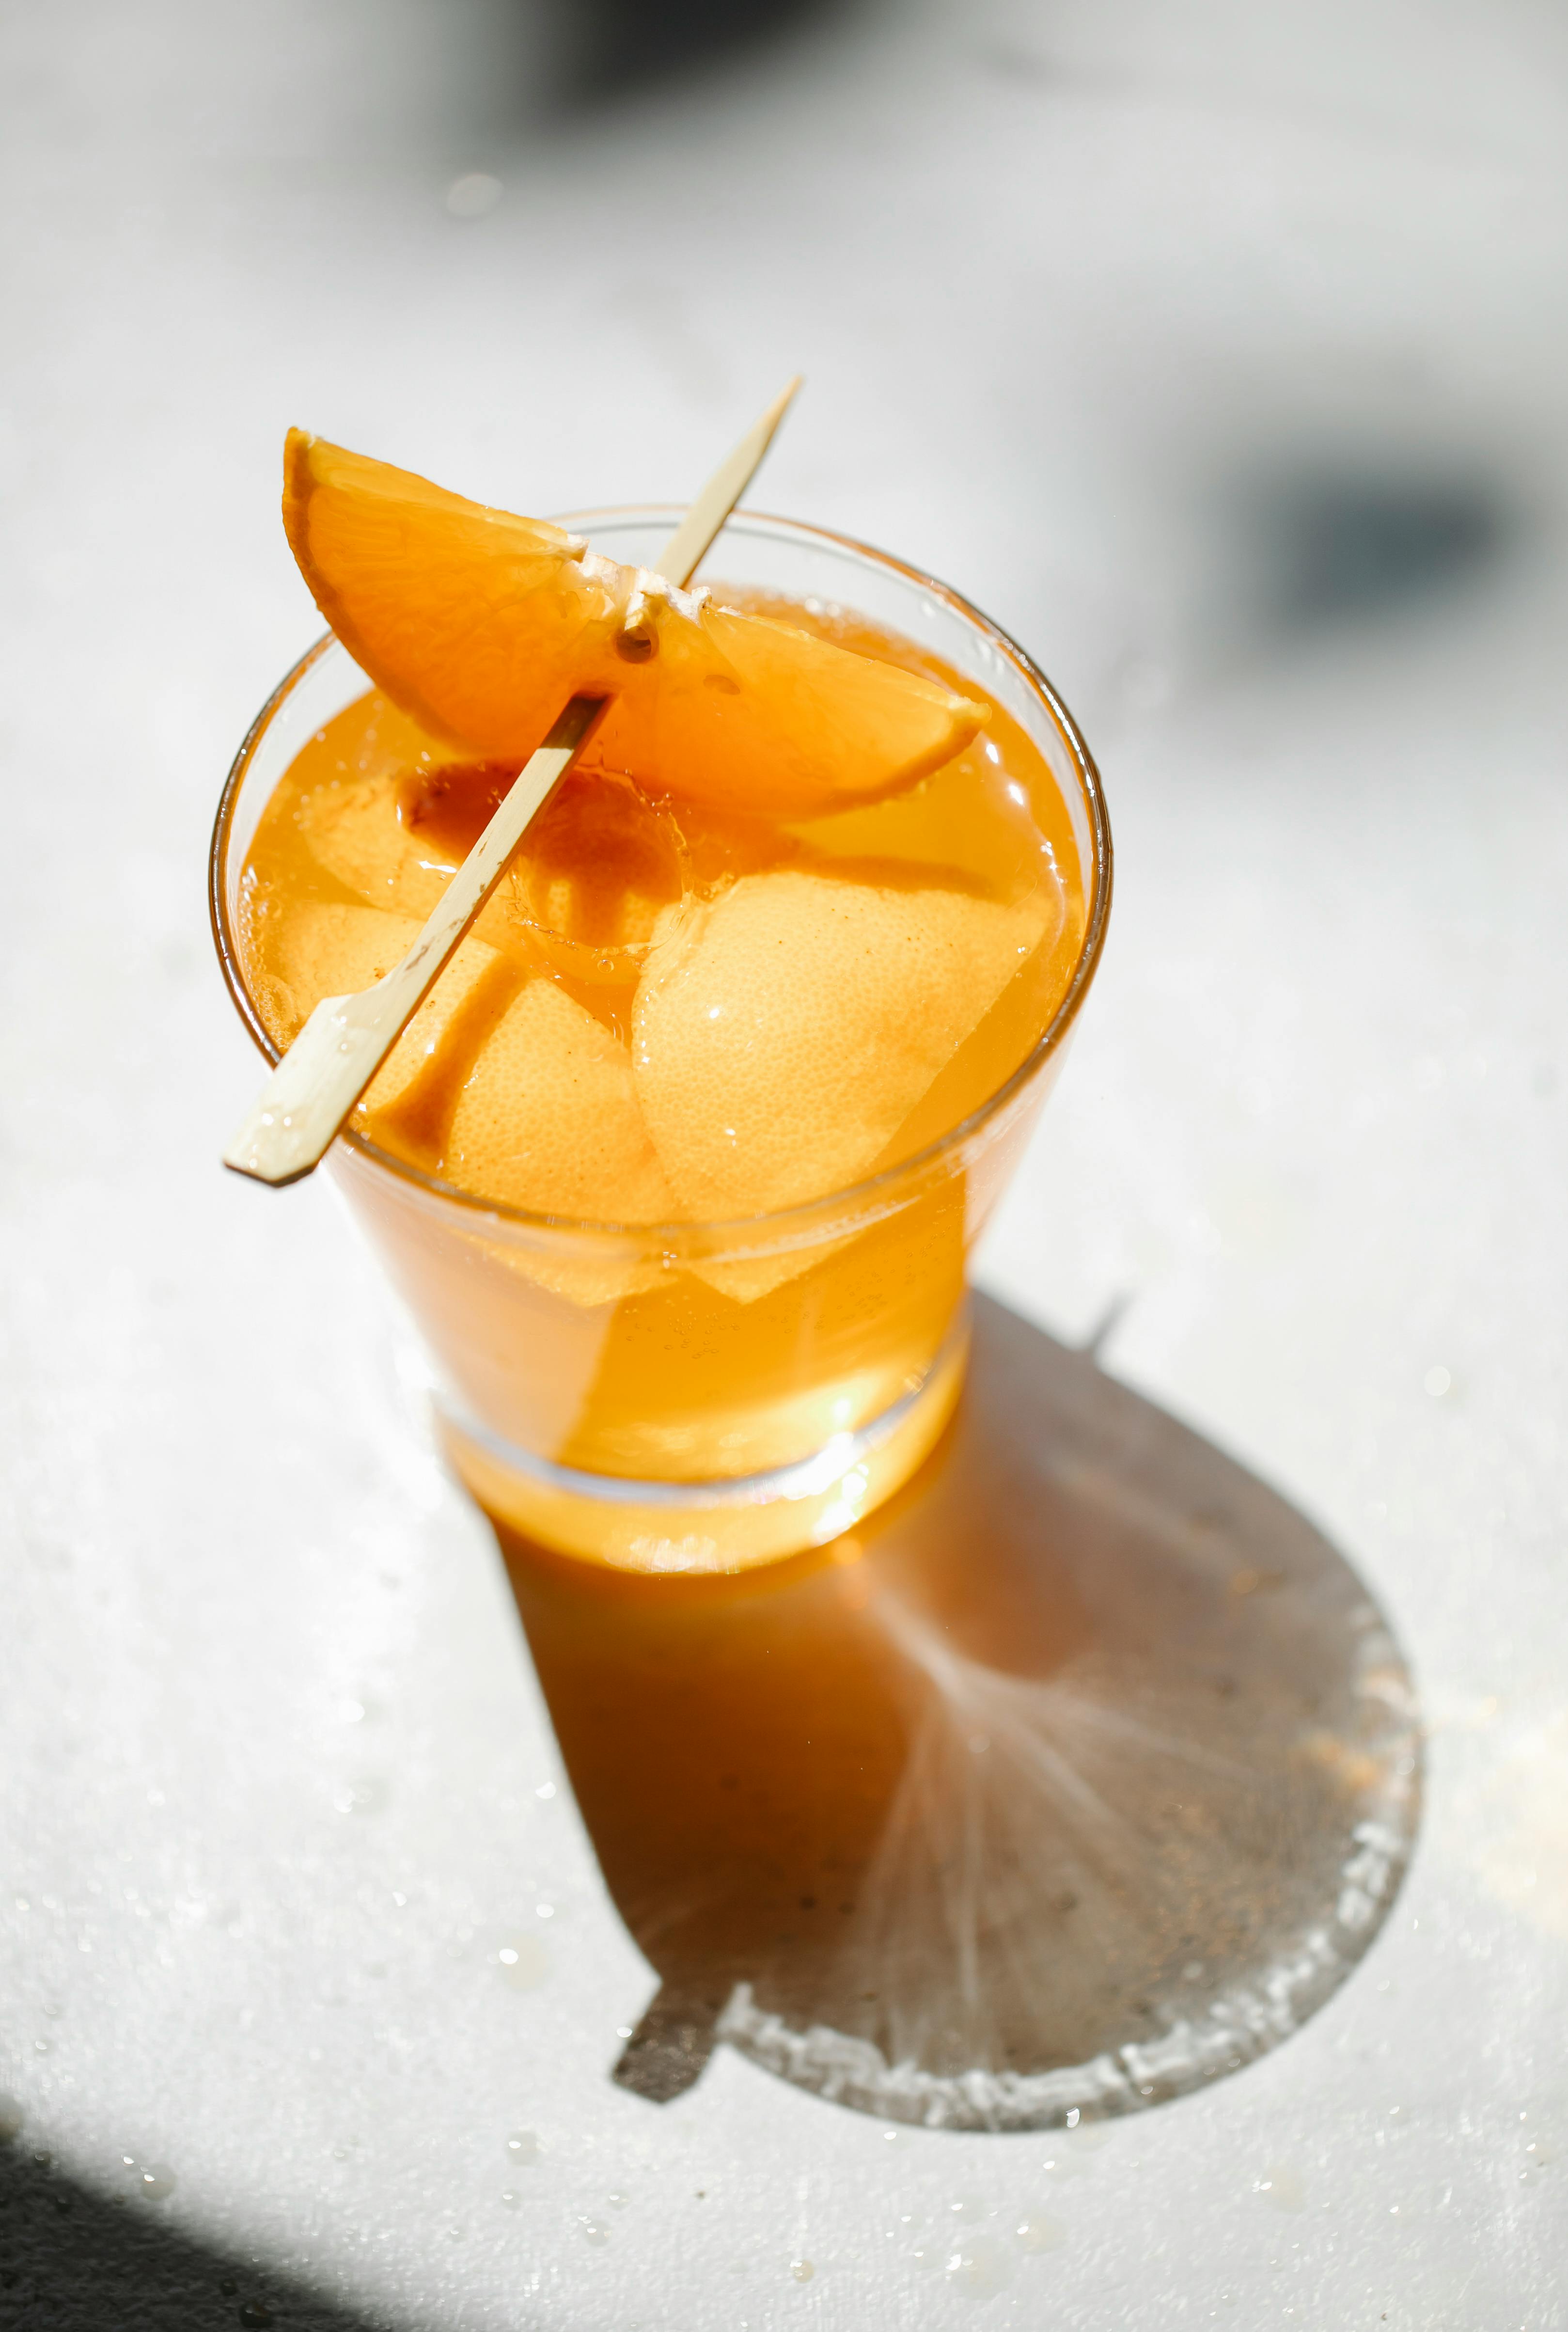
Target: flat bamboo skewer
[[304, 1104]]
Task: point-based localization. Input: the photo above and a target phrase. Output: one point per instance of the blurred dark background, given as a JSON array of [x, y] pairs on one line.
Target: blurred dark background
[[1170, 332]]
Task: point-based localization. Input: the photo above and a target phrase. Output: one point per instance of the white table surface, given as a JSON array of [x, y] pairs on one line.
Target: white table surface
[[1090, 301]]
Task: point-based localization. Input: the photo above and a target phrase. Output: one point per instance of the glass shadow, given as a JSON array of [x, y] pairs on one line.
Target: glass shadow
[[1078, 1776]]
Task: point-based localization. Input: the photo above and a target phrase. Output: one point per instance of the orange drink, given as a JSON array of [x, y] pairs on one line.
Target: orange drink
[[679, 1164]]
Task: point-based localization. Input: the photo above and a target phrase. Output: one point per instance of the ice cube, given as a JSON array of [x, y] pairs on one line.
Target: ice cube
[[353, 831], [548, 1120], [784, 1032], [356, 833], [333, 950]]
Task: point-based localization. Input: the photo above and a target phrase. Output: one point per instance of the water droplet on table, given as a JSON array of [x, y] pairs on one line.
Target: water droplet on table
[[1061, 2165], [473, 195], [366, 1796], [1039, 2233], [1281, 2187], [524, 2149], [980, 2264], [522, 1963]]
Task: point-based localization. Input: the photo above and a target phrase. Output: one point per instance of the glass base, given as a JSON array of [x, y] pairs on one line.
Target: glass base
[[692, 1528]]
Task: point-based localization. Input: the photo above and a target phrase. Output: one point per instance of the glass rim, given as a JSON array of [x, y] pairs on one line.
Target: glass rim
[[775, 1221]]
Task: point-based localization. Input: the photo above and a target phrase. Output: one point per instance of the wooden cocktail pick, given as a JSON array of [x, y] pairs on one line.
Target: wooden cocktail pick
[[304, 1104]]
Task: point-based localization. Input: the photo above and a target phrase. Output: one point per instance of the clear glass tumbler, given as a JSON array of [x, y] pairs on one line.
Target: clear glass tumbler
[[701, 1397]]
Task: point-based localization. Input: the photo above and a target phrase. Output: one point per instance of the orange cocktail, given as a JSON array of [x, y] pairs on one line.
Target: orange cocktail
[[679, 1164]]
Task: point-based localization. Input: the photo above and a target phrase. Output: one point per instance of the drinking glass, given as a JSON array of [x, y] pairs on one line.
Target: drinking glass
[[701, 1397]]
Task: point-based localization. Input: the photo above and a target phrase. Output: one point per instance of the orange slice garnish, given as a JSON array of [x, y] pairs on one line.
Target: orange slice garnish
[[482, 626]]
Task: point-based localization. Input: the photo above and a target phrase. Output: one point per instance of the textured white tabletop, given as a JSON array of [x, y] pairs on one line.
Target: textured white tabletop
[[1221, 354]]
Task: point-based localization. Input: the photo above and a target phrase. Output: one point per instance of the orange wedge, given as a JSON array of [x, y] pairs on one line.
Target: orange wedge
[[482, 626]]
